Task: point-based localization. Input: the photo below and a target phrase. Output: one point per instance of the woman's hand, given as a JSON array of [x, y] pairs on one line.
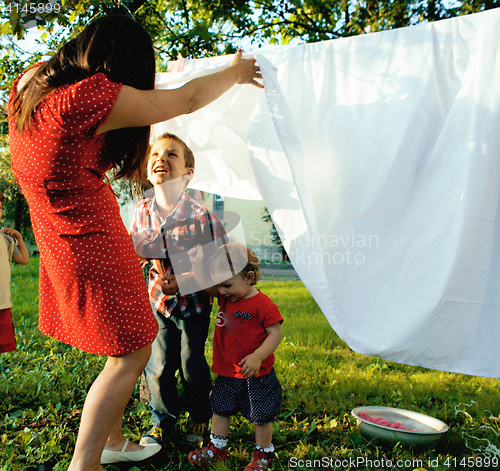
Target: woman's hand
[[248, 70]]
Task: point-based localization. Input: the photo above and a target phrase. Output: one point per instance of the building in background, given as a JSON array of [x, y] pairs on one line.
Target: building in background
[[254, 231]]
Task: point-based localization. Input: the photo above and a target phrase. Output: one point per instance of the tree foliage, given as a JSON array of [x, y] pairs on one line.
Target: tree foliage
[[200, 28], [16, 212], [208, 27]]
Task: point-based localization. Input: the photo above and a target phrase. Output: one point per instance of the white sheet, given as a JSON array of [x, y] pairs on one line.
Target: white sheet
[[378, 157]]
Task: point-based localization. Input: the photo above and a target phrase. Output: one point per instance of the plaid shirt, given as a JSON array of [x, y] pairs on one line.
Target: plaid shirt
[[158, 240]]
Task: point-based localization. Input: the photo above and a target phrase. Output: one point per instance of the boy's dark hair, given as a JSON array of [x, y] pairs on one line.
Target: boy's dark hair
[[236, 258], [2, 197], [188, 153]]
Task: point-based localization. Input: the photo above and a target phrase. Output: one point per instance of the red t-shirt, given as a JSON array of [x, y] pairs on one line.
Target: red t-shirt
[[240, 329]]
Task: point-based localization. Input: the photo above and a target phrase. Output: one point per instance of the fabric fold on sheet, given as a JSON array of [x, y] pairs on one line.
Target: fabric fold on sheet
[[378, 157], [296, 225], [217, 134]]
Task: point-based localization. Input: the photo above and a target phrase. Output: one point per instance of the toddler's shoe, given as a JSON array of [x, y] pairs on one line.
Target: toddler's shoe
[[207, 455], [261, 461]]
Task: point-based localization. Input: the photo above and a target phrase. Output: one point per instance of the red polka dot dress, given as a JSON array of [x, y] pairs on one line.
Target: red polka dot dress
[[92, 292]]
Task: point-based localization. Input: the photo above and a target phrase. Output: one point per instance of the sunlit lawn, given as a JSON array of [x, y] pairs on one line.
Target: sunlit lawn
[[43, 386]]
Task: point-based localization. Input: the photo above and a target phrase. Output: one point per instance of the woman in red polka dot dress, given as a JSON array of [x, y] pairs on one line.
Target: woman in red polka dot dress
[[85, 111]]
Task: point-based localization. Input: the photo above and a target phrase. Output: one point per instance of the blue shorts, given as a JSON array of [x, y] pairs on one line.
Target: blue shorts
[[258, 399]]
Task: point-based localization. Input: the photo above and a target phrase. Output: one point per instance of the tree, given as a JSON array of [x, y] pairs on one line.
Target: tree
[[266, 217], [212, 27], [16, 212]]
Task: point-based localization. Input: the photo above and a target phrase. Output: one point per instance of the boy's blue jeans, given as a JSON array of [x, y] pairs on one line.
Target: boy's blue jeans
[[179, 346]]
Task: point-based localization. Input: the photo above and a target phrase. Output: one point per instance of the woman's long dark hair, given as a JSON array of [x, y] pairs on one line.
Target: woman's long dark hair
[[116, 46]]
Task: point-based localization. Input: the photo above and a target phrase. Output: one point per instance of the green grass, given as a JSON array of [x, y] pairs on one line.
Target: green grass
[[43, 386]]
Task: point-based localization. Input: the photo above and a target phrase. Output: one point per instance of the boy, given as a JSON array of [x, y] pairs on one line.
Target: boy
[[247, 332], [164, 228], [12, 247]]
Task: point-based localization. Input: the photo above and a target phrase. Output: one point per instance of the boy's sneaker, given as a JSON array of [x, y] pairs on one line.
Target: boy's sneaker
[[156, 435], [197, 432], [261, 461], [207, 455]]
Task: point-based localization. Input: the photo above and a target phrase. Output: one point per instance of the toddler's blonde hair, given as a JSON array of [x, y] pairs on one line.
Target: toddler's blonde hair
[[237, 259]]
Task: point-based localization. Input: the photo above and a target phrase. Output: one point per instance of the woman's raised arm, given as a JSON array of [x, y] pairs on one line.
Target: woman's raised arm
[[135, 107]]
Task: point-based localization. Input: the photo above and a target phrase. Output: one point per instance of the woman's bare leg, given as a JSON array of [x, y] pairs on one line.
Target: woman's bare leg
[[103, 410]]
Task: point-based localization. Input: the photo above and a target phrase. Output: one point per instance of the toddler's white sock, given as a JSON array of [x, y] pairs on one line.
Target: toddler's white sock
[[218, 441], [270, 449]]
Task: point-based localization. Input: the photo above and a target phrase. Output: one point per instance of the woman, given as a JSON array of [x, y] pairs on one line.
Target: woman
[[86, 110]]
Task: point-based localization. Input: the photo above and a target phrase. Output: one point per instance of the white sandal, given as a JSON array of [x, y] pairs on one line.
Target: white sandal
[[148, 451]]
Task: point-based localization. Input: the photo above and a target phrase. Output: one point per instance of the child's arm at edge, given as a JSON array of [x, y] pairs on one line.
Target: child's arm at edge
[[251, 363], [24, 257]]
